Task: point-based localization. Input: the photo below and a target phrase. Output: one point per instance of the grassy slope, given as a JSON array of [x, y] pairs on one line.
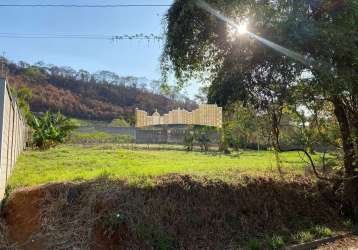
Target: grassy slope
[[69, 163]]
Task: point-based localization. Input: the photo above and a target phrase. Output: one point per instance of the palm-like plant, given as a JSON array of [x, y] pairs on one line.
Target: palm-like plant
[[50, 129]]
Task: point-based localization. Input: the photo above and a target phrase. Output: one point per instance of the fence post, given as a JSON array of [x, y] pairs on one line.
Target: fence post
[[2, 151]]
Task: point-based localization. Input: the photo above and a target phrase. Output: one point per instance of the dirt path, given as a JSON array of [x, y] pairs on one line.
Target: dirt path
[[350, 243]]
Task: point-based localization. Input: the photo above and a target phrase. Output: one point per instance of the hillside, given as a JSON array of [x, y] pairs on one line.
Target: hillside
[[80, 94]]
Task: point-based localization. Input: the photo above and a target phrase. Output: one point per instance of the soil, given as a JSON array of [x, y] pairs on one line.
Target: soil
[[349, 243], [23, 216]]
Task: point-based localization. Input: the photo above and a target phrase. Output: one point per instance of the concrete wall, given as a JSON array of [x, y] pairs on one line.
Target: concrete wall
[[13, 132]]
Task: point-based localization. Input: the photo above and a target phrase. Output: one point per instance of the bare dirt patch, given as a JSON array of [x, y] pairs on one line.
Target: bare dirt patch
[[349, 243]]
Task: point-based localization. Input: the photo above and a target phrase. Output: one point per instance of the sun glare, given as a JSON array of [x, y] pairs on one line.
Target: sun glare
[[242, 28], [236, 30]]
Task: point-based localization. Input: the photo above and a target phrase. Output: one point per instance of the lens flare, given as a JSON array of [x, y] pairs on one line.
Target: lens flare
[[234, 32], [242, 29]]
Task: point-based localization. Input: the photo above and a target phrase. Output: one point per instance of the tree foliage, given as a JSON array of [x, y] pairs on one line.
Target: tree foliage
[[199, 135], [23, 97], [241, 68]]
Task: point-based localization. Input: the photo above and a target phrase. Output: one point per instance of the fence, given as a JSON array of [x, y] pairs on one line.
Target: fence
[[169, 135], [13, 132]]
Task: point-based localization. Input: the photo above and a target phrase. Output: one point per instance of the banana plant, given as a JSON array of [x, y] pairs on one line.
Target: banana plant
[[49, 129]]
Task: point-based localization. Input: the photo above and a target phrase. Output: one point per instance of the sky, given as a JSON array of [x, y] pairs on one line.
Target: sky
[[125, 57]]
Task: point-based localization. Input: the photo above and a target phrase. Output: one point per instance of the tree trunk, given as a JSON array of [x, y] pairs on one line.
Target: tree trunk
[[350, 195], [275, 122]]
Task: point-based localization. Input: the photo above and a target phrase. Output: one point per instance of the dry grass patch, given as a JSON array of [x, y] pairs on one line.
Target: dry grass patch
[[176, 212]]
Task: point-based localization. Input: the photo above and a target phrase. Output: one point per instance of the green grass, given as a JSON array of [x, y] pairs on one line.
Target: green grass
[[98, 137], [71, 163]]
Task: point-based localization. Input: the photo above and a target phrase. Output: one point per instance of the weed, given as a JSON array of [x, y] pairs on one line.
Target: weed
[[112, 222], [163, 242], [275, 242], [303, 236], [349, 224], [158, 239], [321, 231], [8, 190], [254, 244]]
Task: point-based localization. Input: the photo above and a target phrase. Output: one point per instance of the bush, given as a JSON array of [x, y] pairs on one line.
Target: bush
[[189, 140], [203, 141], [201, 135], [49, 129]]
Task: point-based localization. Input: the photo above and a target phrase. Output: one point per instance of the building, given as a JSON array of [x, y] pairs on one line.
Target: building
[[206, 114]]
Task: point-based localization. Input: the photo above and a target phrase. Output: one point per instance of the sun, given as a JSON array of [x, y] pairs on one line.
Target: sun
[[237, 30], [242, 28]]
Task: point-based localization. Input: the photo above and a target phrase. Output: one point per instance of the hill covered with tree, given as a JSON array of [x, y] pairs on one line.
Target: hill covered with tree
[[99, 96]]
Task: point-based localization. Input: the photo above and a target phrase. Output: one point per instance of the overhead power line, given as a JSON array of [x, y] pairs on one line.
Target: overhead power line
[[84, 5], [83, 36]]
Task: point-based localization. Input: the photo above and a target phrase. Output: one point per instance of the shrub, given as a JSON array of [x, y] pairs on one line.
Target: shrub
[[49, 129], [189, 140], [201, 135]]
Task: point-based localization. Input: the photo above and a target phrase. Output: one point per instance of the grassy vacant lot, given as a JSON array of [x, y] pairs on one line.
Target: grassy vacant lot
[[71, 163], [150, 211]]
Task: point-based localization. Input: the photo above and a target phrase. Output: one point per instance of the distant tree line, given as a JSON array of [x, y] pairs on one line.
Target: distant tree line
[[103, 95]]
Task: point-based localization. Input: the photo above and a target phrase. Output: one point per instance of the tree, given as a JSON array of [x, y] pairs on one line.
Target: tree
[[243, 69], [241, 126], [155, 86], [79, 94]]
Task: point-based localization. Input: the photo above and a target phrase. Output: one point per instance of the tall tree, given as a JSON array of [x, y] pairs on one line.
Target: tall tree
[[242, 68]]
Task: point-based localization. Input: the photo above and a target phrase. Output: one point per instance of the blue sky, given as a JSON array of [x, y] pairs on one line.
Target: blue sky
[[138, 58]]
